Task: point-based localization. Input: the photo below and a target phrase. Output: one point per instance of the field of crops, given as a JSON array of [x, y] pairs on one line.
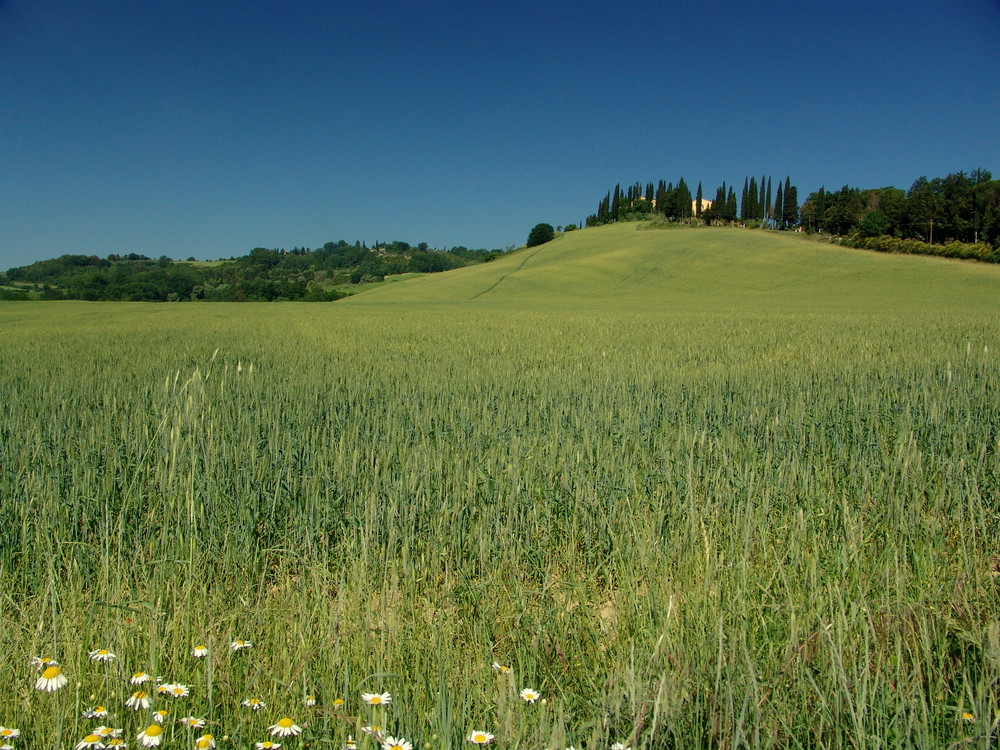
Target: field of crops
[[756, 510]]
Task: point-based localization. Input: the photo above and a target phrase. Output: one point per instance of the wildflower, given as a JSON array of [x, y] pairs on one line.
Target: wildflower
[[968, 717], [268, 745], [337, 702], [531, 695], [199, 651], [51, 680], [91, 740], [396, 743], [101, 654], [106, 732], [139, 700], [310, 700], [240, 645], [376, 699], [151, 736], [43, 662], [6, 746], [620, 746], [139, 677], [192, 722], [9, 733], [205, 742], [97, 712], [284, 727], [480, 738], [116, 742], [350, 744], [498, 667], [160, 716], [177, 690], [164, 688], [374, 730], [254, 704]]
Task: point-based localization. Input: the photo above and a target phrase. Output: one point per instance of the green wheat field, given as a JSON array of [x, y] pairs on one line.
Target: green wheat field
[[697, 488]]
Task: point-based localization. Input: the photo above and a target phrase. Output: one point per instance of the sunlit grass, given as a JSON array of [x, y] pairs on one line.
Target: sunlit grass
[[684, 526]]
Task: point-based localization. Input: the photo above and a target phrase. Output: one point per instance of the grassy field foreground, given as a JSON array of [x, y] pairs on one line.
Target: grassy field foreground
[[715, 519]]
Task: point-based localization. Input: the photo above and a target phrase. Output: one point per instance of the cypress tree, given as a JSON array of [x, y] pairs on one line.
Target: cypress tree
[[683, 200], [752, 197], [768, 206], [790, 214], [697, 204], [743, 199], [731, 205], [779, 208], [615, 202], [762, 202]]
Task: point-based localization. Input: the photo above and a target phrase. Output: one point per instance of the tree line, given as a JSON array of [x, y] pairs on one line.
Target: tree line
[[323, 274], [960, 208], [758, 204]]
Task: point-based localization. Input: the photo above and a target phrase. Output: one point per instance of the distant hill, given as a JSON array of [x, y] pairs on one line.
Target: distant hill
[[646, 266]]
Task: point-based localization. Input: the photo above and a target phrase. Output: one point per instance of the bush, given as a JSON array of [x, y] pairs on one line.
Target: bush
[[541, 234]]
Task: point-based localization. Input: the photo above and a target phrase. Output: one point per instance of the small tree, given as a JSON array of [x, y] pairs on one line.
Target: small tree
[[541, 234]]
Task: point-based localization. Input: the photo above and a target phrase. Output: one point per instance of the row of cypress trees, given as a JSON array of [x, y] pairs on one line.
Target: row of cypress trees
[[675, 203]]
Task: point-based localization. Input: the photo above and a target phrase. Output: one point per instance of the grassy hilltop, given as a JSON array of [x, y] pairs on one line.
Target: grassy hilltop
[[640, 266], [698, 487]]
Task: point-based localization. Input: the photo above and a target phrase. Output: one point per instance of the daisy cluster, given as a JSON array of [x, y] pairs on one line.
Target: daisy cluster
[[142, 697], [145, 691]]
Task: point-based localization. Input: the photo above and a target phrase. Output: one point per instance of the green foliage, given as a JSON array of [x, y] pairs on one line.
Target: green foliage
[[261, 275], [540, 234]]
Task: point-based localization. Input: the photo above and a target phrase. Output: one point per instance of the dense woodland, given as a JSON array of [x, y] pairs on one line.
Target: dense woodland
[[324, 274], [936, 216]]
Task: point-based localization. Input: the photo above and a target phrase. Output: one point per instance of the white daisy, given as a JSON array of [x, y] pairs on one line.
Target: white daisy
[[255, 704], [620, 746], [310, 700], [240, 645], [498, 667], [139, 700], [374, 730], [164, 688], [116, 742], [350, 744], [477, 737], [101, 654], [268, 745], [107, 732], [9, 733], [396, 743], [97, 712], [192, 722], [205, 742], [91, 740], [43, 662], [151, 736], [160, 716], [530, 695], [51, 680], [177, 690], [377, 699], [199, 651], [139, 677], [284, 727]]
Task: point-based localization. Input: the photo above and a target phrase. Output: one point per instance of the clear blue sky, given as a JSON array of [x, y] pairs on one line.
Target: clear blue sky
[[210, 127]]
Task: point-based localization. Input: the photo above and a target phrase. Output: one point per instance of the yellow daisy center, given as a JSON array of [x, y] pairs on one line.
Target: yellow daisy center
[[154, 730], [285, 723], [376, 699], [51, 673], [91, 738], [479, 737]]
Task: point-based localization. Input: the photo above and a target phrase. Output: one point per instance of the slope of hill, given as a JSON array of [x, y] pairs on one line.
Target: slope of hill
[[640, 266]]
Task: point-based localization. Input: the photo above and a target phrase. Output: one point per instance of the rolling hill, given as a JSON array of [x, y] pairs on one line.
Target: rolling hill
[[631, 265]]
